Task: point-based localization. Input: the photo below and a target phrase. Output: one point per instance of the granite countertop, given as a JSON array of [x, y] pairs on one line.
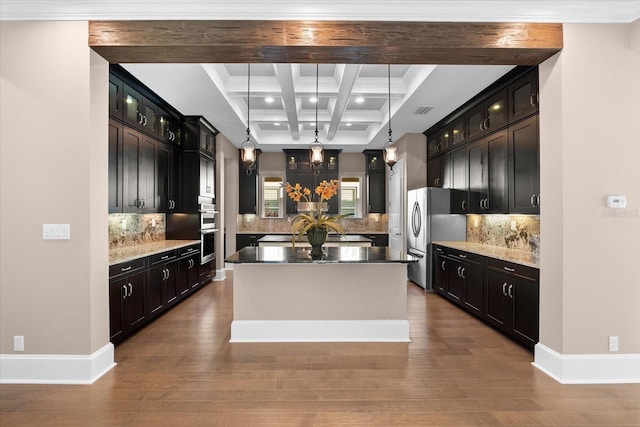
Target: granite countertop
[[330, 238], [343, 254], [285, 233], [128, 253], [504, 254]]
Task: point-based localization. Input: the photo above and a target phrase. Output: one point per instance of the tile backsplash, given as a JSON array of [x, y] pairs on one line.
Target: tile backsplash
[[510, 231], [137, 229], [371, 223]]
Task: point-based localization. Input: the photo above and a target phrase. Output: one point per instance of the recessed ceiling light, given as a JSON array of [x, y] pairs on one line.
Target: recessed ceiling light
[[359, 100], [269, 99], [348, 124], [313, 99], [312, 123], [276, 124]]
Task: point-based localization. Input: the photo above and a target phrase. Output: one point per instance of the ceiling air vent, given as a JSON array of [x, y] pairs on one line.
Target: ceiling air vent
[[423, 110]]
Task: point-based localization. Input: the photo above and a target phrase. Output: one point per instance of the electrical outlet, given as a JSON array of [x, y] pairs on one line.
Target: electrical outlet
[[513, 226], [124, 224], [18, 343], [613, 343], [153, 222]]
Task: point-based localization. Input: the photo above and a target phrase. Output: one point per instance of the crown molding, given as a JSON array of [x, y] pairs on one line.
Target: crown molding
[[556, 11]]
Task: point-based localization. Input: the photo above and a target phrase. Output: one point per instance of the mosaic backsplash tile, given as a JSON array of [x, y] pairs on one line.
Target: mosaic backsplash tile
[[509, 231], [139, 229], [371, 223]]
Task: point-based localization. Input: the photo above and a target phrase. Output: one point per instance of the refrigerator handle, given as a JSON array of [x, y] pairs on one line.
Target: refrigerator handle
[[416, 219], [415, 254]]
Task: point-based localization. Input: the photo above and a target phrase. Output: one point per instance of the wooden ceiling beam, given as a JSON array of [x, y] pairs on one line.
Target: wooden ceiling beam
[[346, 42]]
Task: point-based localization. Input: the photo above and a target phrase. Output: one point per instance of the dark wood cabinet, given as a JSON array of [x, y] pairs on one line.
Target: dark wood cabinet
[[169, 179], [207, 177], [523, 96], [512, 305], [116, 96], [128, 306], [299, 169], [188, 270], [524, 167], [116, 140], [162, 288], [378, 239], [376, 181], [199, 135], [459, 184], [169, 128], [248, 186], [140, 112], [438, 142], [487, 116], [488, 179], [439, 172], [139, 172], [244, 240]]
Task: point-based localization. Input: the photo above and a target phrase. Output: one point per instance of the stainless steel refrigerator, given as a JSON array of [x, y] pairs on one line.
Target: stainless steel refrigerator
[[430, 219]]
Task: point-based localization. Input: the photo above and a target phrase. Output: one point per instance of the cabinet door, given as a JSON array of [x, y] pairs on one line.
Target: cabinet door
[[525, 299], [438, 142], [116, 97], [132, 108], [478, 176], [117, 292], [524, 167], [155, 297], [164, 178], [523, 96], [459, 195], [496, 112], [248, 188], [131, 142], [150, 118], [458, 133], [433, 172], [497, 179], [473, 292], [475, 122], [441, 279], [115, 167], [456, 281], [496, 302], [147, 174], [175, 181], [169, 284], [193, 276], [134, 311], [376, 182], [182, 282]]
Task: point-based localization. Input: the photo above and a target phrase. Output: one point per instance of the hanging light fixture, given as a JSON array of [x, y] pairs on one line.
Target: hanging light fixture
[[316, 156], [248, 148], [390, 150]]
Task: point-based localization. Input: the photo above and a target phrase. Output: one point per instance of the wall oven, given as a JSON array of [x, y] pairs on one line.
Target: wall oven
[[207, 232]]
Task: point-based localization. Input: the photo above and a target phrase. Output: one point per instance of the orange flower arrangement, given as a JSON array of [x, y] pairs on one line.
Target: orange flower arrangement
[[302, 222]]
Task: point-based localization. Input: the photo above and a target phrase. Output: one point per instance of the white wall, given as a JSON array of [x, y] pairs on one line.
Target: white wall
[[589, 113]]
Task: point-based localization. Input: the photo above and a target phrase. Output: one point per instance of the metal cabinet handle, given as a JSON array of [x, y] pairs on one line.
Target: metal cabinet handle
[[464, 205], [538, 200], [482, 125], [462, 256], [140, 119], [462, 273], [165, 257], [443, 263], [533, 200], [124, 288], [510, 294], [533, 100], [126, 268], [459, 267], [145, 121], [168, 273], [511, 270], [504, 289]]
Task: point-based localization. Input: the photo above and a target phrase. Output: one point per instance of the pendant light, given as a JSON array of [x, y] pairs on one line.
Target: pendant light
[[316, 156], [390, 150], [248, 148]]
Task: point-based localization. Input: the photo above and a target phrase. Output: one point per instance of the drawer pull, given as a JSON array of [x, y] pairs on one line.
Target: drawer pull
[[462, 256], [511, 270], [125, 268], [165, 257]]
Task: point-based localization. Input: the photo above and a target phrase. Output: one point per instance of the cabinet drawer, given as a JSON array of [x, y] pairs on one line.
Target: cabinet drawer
[[189, 251], [162, 257], [518, 270], [127, 267], [464, 256]]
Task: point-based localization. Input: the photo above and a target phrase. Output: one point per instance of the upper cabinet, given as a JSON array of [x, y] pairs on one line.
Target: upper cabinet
[[140, 112], [116, 96], [488, 149], [523, 96], [376, 181], [298, 169], [199, 135]]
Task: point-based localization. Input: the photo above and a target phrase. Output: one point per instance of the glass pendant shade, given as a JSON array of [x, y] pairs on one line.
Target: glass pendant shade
[[390, 155], [248, 150], [316, 155]]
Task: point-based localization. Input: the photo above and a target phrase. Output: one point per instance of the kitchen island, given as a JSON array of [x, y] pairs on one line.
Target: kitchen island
[[352, 294]]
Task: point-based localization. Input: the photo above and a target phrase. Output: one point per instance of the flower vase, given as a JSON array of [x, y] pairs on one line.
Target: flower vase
[[316, 236]]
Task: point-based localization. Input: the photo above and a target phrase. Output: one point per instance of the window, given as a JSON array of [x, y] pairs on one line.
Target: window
[[272, 202], [351, 197]]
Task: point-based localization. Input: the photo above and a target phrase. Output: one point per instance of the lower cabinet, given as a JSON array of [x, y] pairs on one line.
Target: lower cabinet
[[142, 289], [505, 295], [128, 304]]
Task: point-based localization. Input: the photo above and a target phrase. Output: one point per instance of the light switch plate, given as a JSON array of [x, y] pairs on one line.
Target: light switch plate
[[56, 231], [619, 202]]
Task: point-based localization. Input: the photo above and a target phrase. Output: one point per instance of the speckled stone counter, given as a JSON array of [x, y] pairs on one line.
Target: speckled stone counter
[[128, 253], [505, 254]]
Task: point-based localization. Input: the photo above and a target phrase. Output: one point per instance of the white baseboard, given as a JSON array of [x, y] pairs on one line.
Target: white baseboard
[[220, 275], [588, 368], [56, 368], [320, 331]]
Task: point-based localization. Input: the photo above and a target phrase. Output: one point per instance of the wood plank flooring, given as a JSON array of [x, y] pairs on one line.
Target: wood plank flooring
[[182, 371]]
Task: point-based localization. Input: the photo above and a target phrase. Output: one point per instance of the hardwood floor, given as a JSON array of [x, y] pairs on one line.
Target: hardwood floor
[[182, 371]]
